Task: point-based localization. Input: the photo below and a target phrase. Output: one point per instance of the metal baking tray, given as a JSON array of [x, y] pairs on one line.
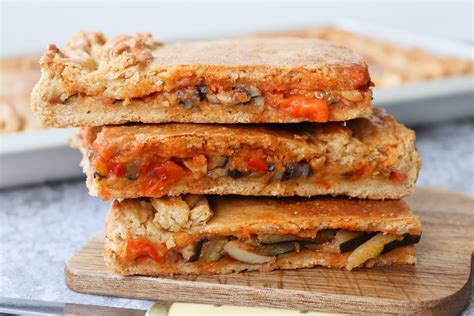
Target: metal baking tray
[[424, 102]]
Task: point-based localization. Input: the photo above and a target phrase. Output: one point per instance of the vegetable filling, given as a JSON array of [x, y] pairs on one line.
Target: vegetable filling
[[361, 247], [312, 105], [153, 173]]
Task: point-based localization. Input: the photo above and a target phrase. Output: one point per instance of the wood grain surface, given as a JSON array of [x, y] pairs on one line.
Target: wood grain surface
[[439, 284]]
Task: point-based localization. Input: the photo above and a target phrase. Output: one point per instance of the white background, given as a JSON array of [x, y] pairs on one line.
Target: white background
[[31, 26]]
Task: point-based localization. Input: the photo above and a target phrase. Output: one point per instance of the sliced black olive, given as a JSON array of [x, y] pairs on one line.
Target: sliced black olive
[[184, 101], [197, 249], [289, 172], [235, 174], [202, 91], [271, 167], [407, 240], [355, 242], [98, 175]]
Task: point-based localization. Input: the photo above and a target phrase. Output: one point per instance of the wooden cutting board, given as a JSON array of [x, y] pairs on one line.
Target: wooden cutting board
[[439, 284]]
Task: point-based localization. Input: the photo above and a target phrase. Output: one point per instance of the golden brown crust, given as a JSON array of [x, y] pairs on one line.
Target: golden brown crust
[[390, 64], [94, 70], [374, 147], [236, 216], [244, 216]]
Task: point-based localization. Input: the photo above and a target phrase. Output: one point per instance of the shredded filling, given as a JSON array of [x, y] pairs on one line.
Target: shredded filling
[[313, 105]]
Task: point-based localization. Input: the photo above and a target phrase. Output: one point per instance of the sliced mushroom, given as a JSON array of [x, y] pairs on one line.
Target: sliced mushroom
[[302, 170], [212, 98], [218, 162], [218, 172], [213, 250], [352, 95], [187, 252], [241, 96], [187, 97], [259, 101]]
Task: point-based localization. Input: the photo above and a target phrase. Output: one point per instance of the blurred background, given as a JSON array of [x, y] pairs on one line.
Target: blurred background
[[29, 26], [420, 55]]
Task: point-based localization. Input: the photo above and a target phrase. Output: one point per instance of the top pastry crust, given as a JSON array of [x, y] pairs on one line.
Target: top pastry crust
[[226, 81], [128, 67]]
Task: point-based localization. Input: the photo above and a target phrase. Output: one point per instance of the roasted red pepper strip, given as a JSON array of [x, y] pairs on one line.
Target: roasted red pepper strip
[[118, 169], [258, 163], [359, 172], [154, 176], [137, 248], [397, 176], [311, 108]]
